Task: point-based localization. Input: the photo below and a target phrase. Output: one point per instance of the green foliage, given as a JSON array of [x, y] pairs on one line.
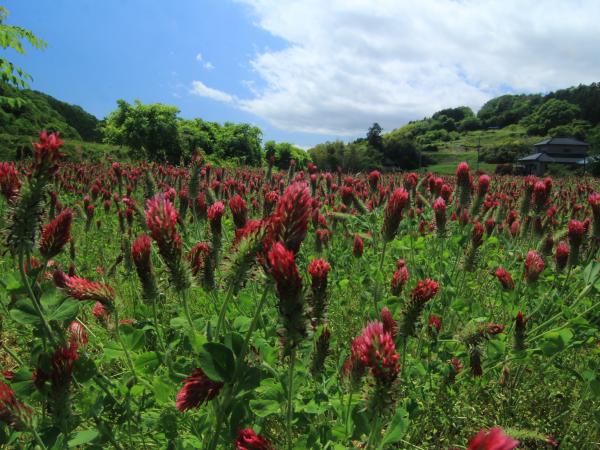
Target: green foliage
[[13, 37], [148, 129], [551, 114], [284, 152], [507, 109], [26, 112]]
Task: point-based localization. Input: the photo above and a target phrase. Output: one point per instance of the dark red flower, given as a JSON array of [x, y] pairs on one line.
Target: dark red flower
[[197, 389], [399, 280], [425, 290], [293, 214], [562, 255], [56, 234], [239, 210], [9, 181], [82, 289], [289, 290], [47, 154], [494, 439], [389, 324], [375, 349], [505, 279], [434, 323], [249, 440], [576, 232], [393, 213], [534, 265], [358, 246]]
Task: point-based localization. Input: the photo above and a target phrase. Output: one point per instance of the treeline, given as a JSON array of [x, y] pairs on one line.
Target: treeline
[[375, 151], [572, 112]]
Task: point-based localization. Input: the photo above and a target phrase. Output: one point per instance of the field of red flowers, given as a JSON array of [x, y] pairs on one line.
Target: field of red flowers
[[158, 307]]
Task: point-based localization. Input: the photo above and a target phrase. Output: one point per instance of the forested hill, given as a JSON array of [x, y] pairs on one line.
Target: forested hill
[[25, 112], [504, 128]]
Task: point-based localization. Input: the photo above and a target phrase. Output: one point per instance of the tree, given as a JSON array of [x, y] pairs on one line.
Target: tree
[[400, 152], [151, 129], [13, 37], [374, 137], [242, 141], [507, 109], [551, 114]]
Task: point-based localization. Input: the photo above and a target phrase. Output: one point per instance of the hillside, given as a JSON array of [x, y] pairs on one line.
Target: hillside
[[25, 112]]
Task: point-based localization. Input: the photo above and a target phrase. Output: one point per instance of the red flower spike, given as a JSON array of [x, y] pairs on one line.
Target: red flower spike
[[494, 439], [248, 440], [197, 389], [534, 265], [56, 234]]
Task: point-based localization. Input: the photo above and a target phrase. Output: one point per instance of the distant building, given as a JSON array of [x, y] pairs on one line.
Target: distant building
[[556, 150]]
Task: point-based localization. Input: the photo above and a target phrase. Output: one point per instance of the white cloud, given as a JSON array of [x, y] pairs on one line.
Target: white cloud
[[199, 57], [208, 65], [202, 90], [352, 62]]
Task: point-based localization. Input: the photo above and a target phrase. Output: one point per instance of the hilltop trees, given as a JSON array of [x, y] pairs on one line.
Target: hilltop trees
[[150, 129], [156, 131]]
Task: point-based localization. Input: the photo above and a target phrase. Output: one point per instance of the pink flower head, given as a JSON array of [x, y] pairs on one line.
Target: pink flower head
[[483, 185], [389, 324], [562, 255], [434, 323], [56, 234], [284, 271], [534, 265], [77, 332], [393, 213], [140, 253], [46, 153], [358, 246], [12, 411], [198, 255], [239, 210], [9, 181], [425, 290], [82, 289], [576, 232], [318, 270], [161, 218], [248, 440], [399, 280], [197, 389], [463, 176], [374, 178], [494, 439], [215, 213], [293, 212], [505, 279], [375, 349], [100, 312], [289, 290]]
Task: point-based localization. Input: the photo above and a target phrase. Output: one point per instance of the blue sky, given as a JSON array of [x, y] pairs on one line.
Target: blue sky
[[100, 51], [306, 71]]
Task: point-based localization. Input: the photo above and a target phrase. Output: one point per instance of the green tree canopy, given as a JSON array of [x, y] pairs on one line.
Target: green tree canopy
[[551, 114], [152, 129]]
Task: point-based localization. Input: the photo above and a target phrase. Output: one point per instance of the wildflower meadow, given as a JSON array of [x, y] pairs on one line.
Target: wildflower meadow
[[154, 306]]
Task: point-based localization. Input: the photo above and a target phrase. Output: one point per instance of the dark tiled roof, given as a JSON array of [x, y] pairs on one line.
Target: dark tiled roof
[[561, 141], [545, 158]]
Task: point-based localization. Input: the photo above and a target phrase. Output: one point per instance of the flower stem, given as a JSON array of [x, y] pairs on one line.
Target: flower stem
[[289, 400]]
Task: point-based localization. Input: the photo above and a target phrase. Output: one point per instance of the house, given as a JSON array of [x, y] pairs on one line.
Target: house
[[557, 150]]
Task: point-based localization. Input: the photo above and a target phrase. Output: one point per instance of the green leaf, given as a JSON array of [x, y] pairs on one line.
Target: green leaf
[[556, 341], [264, 407], [397, 428], [67, 310], [133, 338], [24, 313], [84, 369], [83, 437], [217, 362]]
